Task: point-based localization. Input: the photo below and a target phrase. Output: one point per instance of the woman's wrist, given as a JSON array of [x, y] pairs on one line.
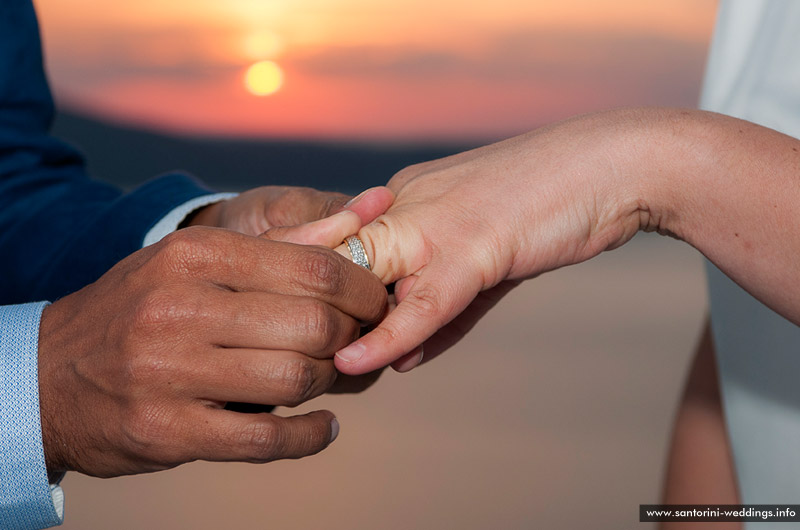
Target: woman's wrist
[[659, 162], [686, 170], [615, 177]]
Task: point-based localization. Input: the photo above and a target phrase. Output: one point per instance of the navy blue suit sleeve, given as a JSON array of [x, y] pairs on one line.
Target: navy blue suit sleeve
[[59, 229]]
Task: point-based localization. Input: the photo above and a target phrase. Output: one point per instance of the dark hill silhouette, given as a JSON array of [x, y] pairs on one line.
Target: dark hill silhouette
[[127, 156]]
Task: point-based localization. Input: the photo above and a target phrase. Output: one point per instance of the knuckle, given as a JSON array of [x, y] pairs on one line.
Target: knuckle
[[188, 249], [320, 271], [298, 380], [318, 322], [152, 309], [179, 243], [262, 441]]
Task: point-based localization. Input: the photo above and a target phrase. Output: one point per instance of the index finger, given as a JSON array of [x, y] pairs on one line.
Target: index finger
[[250, 264], [327, 276]]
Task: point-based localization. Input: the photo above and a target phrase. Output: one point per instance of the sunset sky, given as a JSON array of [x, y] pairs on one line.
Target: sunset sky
[[368, 70]]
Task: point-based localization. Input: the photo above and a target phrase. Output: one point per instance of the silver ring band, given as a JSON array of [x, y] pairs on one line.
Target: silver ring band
[[356, 248]]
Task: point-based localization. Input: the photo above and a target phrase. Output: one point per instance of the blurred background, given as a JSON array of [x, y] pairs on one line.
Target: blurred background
[[555, 412]]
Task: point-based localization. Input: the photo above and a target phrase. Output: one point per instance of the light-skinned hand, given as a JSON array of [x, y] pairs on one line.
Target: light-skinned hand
[[462, 226]]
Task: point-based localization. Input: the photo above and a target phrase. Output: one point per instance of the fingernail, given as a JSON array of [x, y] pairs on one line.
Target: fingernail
[[421, 355], [355, 199], [352, 353], [334, 429], [339, 216], [413, 361]]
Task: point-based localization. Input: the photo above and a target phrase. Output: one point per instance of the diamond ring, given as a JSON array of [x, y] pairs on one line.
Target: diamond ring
[[356, 248]]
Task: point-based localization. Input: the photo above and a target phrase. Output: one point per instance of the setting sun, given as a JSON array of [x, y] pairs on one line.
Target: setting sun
[[263, 78], [365, 70]]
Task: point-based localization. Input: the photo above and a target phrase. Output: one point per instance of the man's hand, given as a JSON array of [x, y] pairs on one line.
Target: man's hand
[[135, 369]]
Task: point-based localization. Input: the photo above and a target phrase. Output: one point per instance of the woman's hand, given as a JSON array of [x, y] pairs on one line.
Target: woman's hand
[[563, 194], [461, 225]]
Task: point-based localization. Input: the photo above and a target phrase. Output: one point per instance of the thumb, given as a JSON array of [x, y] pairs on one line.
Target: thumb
[[327, 232], [437, 297], [368, 204]]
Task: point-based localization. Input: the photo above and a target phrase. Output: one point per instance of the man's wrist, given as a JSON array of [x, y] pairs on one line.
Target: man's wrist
[[177, 216]]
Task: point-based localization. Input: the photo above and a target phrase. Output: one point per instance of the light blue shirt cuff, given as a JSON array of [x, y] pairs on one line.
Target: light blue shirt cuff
[[27, 500], [170, 222]]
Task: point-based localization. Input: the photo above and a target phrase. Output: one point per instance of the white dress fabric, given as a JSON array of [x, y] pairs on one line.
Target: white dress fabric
[[754, 74]]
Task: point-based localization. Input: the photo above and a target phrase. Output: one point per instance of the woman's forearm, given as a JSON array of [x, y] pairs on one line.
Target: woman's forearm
[[729, 188]]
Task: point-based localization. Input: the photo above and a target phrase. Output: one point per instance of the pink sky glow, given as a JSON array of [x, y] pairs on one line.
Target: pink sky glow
[[363, 70]]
